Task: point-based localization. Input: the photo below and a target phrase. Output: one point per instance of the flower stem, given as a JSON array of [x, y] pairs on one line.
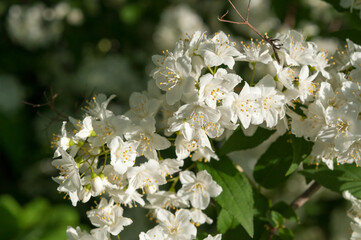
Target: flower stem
[[253, 74]]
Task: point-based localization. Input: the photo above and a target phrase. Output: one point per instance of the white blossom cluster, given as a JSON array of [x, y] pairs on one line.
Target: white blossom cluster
[[193, 99], [332, 112]]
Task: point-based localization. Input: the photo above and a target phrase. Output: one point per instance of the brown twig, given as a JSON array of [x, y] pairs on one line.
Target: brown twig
[[50, 102], [304, 197], [298, 202], [273, 42]]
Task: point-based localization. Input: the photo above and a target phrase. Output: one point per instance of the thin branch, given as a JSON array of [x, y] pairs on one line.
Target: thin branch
[[239, 14], [50, 102], [273, 42], [304, 197], [249, 5], [299, 202]]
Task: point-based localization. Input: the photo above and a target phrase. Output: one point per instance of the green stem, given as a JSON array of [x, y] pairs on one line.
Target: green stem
[[211, 70], [253, 74], [175, 180], [159, 156]]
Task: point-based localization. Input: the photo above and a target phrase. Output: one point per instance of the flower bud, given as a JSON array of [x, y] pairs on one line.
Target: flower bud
[[97, 184]]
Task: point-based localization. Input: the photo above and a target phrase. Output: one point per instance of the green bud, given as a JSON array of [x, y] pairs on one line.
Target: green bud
[[313, 69], [93, 133], [80, 143], [78, 159], [71, 143]]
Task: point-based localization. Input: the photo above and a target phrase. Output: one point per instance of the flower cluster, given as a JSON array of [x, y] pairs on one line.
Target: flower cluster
[[331, 118], [193, 99]]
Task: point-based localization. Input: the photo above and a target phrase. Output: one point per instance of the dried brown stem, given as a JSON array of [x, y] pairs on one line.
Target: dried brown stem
[[273, 42]]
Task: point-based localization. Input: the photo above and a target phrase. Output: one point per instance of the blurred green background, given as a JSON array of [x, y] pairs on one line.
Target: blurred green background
[[56, 54]]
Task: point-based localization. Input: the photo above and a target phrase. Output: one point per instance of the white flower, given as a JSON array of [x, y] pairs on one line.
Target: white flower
[[123, 154], [166, 200], [352, 154], [322, 63], [212, 89], [86, 128], [108, 128], [245, 106], [343, 126], [325, 152], [126, 196], [355, 212], [217, 237], [183, 147], [219, 50], [109, 216], [78, 234], [173, 75], [356, 231], [199, 217], [198, 189], [69, 172], [352, 91], [296, 50], [98, 107], [255, 52], [85, 194], [98, 184], [142, 107], [204, 153], [65, 142], [178, 226], [146, 174], [170, 166], [148, 141], [271, 100], [315, 120], [285, 75], [155, 233], [196, 120], [306, 86]]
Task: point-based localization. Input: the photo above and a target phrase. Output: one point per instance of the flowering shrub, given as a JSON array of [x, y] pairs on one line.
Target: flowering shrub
[[168, 152]]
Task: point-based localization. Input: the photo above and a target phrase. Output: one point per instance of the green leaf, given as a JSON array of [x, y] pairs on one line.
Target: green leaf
[[239, 141], [286, 234], [9, 217], [280, 160], [301, 150], [275, 219], [236, 196], [286, 211], [225, 221], [261, 204], [35, 212], [343, 177], [271, 168]]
